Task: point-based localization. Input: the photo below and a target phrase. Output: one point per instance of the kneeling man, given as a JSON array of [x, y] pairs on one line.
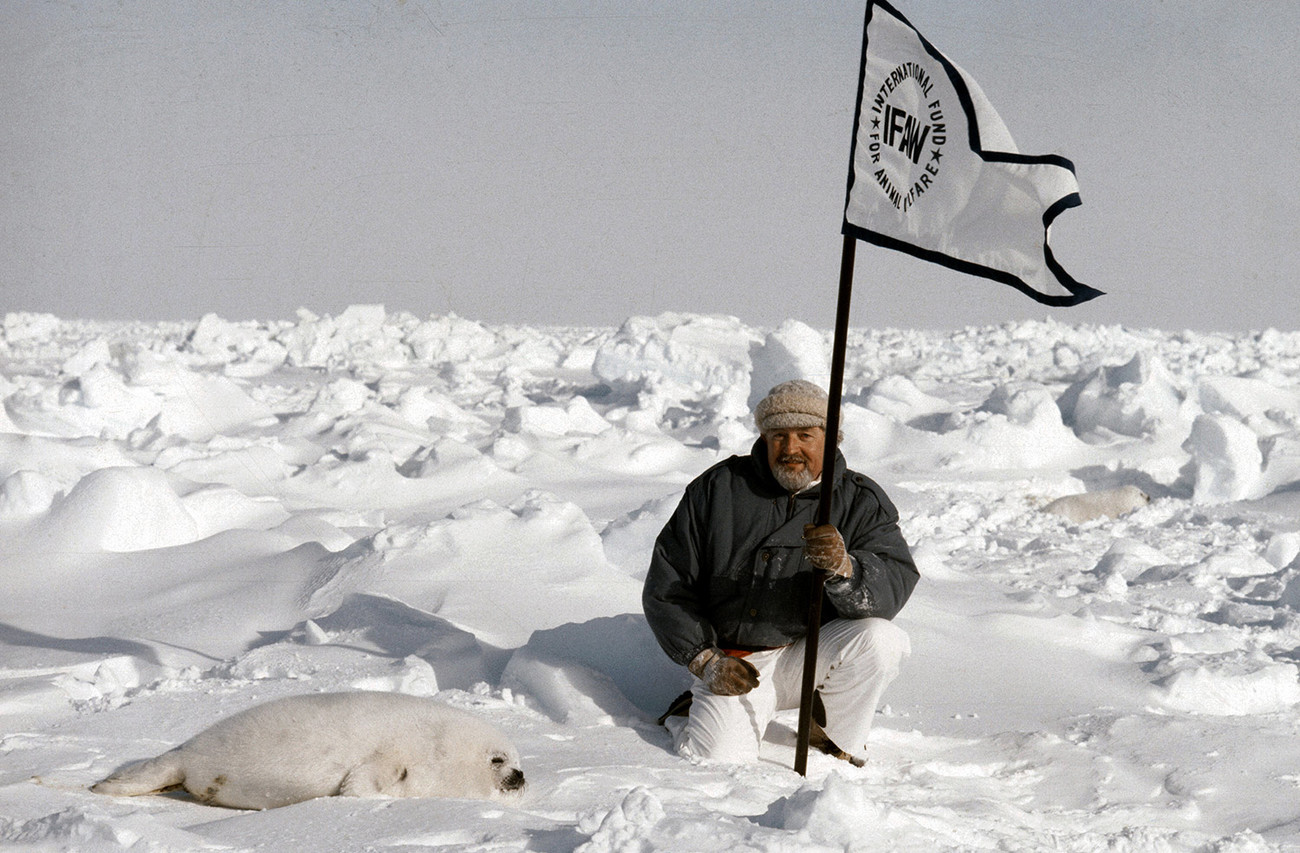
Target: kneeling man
[[729, 586]]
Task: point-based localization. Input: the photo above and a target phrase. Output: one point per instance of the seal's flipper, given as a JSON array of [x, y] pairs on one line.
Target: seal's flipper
[[143, 777], [374, 778]]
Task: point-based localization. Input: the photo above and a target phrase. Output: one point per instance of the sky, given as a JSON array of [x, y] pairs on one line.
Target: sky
[[583, 161]]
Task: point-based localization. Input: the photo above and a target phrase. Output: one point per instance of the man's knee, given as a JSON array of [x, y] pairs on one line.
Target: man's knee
[[725, 729], [727, 747], [877, 640]]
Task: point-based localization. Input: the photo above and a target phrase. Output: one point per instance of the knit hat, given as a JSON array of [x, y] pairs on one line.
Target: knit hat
[[792, 405]]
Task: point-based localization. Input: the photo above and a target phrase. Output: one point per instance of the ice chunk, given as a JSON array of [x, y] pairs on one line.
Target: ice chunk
[[1125, 560], [1228, 692], [1226, 460], [627, 826], [1134, 399], [793, 351], [1241, 397], [26, 493], [843, 814], [121, 509], [567, 691], [899, 398]]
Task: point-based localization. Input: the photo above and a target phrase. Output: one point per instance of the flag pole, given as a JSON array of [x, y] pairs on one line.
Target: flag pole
[[813, 637]]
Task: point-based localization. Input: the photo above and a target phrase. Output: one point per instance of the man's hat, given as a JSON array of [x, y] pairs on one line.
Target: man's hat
[[792, 405]]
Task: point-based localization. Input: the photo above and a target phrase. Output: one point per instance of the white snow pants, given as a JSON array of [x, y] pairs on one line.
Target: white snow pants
[[856, 661]]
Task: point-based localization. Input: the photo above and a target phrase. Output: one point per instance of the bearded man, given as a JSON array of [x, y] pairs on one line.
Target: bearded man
[[730, 583]]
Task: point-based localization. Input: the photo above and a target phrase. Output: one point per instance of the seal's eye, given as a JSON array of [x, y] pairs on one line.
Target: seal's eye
[[498, 760]]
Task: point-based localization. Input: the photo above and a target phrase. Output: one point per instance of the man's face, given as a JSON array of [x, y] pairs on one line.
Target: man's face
[[795, 455]]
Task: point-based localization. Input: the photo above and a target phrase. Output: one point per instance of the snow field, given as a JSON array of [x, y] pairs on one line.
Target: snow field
[[198, 517]]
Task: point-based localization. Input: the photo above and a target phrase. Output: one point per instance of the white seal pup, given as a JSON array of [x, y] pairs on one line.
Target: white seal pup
[[1105, 503], [358, 744]]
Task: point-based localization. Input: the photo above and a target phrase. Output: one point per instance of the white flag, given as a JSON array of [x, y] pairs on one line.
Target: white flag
[[935, 174]]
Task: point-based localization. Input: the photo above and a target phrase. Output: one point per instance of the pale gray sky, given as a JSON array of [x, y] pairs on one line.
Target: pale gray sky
[[580, 162]]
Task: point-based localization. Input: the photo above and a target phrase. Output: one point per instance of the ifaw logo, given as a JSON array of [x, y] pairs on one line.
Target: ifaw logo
[[907, 136]]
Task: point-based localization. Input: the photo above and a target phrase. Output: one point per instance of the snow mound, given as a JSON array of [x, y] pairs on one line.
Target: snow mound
[[137, 509], [673, 358], [627, 826], [359, 333], [121, 509], [239, 349], [576, 417], [568, 692], [1129, 557], [1243, 397], [623, 652], [1282, 549], [1134, 399], [62, 461], [339, 666], [1017, 426], [193, 406], [842, 814], [793, 351], [99, 829], [26, 493], [146, 389], [453, 340], [1226, 460], [1232, 691], [898, 398], [499, 571], [628, 539]]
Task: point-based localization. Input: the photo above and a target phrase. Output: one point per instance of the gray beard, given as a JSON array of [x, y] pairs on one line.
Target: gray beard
[[793, 481]]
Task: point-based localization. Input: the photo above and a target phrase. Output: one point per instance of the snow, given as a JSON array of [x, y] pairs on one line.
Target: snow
[[197, 517]]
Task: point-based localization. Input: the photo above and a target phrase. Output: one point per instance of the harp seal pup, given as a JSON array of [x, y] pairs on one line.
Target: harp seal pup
[[354, 744], [1105, 503]]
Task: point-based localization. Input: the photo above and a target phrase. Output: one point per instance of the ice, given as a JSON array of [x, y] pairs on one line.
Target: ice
[[196, 517], [793, 351], [1243, 397], [899, 399], [1232, 691], [1132, 399], [1125, 560], [840, 815], [672, 358], [1281, 462], [24, 494], [1226, 460], [119, 509], [626, 825], [567, 692], [1282, 548], [629, 538]]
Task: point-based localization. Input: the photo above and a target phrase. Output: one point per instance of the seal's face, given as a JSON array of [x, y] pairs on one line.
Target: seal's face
[[505, 770]]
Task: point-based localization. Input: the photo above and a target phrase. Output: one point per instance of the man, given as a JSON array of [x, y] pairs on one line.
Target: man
[[728, 590]]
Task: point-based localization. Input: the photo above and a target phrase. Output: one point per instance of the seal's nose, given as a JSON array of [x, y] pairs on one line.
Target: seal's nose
[[514, 781]]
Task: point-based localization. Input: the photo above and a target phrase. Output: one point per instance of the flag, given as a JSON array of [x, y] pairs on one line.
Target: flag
[[934, 172]]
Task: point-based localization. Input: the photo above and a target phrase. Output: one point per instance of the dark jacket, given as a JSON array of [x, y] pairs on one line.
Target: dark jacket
[[728, 568]]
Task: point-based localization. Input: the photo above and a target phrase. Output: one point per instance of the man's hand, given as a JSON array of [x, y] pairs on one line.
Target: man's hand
[[723, 674], [824, 547]]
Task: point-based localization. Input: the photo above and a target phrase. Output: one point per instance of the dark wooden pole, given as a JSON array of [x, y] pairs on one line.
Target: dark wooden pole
[[834, 393]]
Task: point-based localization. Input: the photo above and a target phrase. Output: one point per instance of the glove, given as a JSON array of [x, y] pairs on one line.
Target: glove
[[723, 674], [824, 548]]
